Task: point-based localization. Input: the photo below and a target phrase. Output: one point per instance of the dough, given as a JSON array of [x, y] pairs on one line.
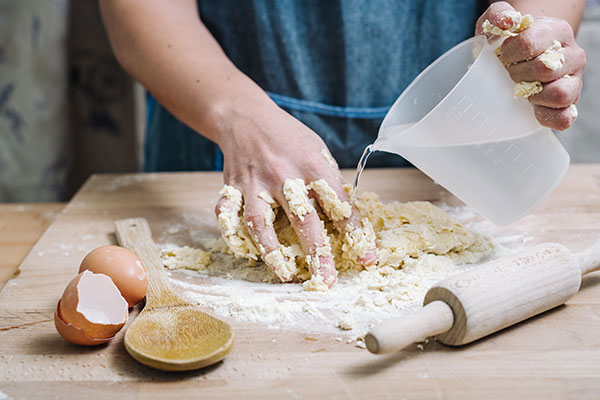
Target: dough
[[185, 257], [232, 225], [336, 209], [296, 194], [399, 232], [552, 58], [520, 23], [527, 89]]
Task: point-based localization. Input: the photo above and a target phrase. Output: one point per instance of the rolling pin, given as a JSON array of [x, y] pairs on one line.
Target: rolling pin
[[486, 299]]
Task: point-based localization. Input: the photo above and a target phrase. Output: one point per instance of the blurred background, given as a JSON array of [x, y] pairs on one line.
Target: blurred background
[[68, 110]]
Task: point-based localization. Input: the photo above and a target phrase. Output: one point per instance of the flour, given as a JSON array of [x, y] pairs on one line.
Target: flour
[[230, 288], [329, 159], [418, 244]]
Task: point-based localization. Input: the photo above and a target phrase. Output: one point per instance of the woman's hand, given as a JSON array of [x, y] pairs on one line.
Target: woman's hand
[[168, 49], [523, 55], [264, 146]]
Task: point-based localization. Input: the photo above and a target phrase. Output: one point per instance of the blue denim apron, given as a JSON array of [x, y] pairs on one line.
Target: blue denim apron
[[336, 65]]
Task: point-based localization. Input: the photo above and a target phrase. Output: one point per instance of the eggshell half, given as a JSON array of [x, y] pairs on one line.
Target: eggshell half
[[124, 268], [91, 302], [73, 334]]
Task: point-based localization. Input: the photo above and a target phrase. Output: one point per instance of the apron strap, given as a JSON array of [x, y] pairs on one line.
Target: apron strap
[[327, 109]]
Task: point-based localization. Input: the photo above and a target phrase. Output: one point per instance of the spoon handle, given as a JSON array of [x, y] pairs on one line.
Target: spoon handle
[[135, 234]]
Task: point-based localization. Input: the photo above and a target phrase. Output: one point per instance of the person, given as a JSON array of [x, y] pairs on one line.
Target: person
[[280, 86]]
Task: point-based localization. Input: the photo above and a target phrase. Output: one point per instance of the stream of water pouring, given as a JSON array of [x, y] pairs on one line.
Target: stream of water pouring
[[362, 163]]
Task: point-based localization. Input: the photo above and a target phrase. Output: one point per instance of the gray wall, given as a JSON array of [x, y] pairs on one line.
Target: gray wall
[[582, 140]]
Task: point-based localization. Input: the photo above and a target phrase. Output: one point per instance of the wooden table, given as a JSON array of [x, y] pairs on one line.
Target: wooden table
[[555, 355], [21, 225]]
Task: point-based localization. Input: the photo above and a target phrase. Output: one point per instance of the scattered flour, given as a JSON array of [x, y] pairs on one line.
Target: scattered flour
[[418, 244]]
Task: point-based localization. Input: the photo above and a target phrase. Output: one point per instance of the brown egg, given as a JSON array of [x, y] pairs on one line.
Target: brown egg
[[91, 310], [123, 266]]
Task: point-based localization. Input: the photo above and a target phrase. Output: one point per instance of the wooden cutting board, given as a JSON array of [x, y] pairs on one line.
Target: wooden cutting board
[[556, 355]]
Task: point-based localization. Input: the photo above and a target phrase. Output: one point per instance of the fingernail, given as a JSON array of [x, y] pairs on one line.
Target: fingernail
[[509, 19]]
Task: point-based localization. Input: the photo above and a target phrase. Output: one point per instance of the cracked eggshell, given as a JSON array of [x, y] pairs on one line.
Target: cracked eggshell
[[93, 304], [73, 334], [123, 267]]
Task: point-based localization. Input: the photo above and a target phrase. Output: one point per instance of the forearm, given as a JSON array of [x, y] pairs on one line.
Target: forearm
[[570, 10], [164, 45]]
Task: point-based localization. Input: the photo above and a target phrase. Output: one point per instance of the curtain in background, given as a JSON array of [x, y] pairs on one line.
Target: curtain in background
[[68, 110], [34, 143]]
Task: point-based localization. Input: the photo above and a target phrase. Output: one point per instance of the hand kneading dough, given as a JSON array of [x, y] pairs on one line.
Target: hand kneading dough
[[398, 231]]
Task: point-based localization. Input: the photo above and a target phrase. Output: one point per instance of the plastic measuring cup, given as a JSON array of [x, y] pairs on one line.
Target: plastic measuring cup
[[459, 123]]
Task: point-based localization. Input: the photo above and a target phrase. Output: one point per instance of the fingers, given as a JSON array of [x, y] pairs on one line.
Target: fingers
[[534, 41], [232, 226], [335, 202], [259, 217], [499, 14], [559, 119], [310, 230], [539, 70], [560, 93]]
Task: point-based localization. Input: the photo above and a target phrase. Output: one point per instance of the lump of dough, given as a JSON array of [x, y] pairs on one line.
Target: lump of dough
[[333, 206], [296, 194], [520, 23], [526, 89], [185, 257], [400, 232], [552, 58], [232, 225]]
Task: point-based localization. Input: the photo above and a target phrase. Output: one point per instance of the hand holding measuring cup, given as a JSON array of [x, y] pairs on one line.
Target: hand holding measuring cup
[[546, 56]]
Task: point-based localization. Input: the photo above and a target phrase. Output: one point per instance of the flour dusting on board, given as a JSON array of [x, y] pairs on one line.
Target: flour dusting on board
[[243, 290]]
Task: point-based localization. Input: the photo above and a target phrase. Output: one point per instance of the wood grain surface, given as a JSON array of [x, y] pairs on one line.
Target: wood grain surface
[[21, 225], [553, 356]]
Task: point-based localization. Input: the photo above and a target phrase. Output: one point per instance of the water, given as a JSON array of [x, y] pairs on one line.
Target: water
[[361, 164]]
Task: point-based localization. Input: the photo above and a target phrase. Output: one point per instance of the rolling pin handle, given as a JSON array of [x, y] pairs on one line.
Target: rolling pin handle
[[395, 334], [589, 259]]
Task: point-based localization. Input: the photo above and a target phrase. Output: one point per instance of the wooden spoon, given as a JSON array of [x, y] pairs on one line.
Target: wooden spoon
[[169, 334]]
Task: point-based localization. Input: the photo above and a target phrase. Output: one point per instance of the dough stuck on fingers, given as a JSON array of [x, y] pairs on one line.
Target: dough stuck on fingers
[[283, 261], [525, 90], [358, 240], [518, 24], [270, 214], [296, 194], [552, 58], [400, 232], [336, 209], [233, 228], [317, 281]]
